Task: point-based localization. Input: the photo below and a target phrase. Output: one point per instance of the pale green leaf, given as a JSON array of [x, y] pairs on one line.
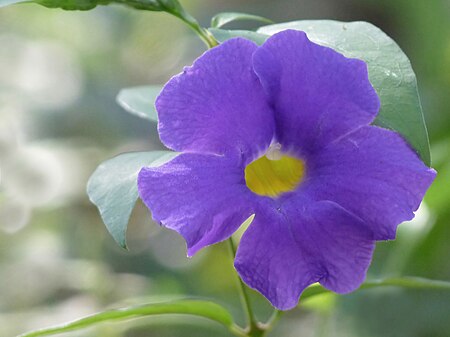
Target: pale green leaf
[[140, 101], [222, 35], [113, 188], [204, 309], [222, 19], [390, 73]]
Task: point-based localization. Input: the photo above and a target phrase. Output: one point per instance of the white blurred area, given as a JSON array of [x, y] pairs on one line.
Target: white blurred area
[[421, 224], [41, 271], [35, 76], [42, 74]]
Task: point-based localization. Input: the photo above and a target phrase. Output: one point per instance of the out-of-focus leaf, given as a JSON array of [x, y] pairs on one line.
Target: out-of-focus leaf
[[113, 188], [205, 309], [222, 35], [83, 5], [140, 101], [222, 19], [401, 282], [390, 72], [438, 195]]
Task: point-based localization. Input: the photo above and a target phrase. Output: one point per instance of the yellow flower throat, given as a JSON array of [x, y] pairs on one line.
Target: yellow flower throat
[[274, 173]]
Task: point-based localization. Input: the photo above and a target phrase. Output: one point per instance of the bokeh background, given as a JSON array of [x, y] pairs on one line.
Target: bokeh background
[[59, 75]]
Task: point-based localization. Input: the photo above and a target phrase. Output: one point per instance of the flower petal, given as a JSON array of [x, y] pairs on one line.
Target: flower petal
[[202, 197], [318, 94], [217, 105], [283, 252], [373, 173]]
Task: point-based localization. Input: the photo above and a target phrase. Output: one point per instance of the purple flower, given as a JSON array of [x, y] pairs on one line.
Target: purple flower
[[282, 131]]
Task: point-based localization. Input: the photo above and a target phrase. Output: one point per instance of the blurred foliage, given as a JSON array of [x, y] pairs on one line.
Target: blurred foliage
[[59, 75]]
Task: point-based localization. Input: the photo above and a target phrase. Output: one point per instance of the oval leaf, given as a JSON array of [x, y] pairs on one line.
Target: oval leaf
[[205, 309], [390, 73], [113, 188], [222, 19], [140, 101]]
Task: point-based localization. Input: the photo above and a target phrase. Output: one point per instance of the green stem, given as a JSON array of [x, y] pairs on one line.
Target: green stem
[[273, 320], [238, 331], [254, 329], [203, 33], [179, 12]]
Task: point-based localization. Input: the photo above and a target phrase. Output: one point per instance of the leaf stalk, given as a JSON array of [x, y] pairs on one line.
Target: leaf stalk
[[178, 11]]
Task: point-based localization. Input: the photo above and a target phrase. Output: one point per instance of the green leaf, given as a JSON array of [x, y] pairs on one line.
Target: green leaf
[[401, 282], [390, 73], [140, 101], [222, 19], [113, 188], [83, 5], [205, 309], [222, 35]]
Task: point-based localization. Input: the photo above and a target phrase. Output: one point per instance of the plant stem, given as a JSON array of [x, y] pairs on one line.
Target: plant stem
[[178, 11], [238, 331], [273, 320], [203, 33], [254, 329]]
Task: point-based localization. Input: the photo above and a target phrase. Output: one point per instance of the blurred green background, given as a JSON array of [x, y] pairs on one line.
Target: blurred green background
[[59, 75]]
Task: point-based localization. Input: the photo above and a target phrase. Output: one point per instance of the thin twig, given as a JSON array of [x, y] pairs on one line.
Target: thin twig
[[245, 298]]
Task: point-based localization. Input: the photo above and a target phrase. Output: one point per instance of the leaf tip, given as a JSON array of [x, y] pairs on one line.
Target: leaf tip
[[124, 245]]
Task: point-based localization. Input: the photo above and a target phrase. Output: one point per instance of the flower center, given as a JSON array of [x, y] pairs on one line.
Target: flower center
[[274, 173]]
